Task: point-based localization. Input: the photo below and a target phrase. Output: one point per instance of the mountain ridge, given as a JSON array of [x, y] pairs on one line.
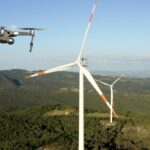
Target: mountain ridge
[[130, 94]]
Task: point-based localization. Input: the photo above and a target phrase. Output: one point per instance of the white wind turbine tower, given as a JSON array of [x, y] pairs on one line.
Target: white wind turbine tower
[[111, 95], [80, 62]]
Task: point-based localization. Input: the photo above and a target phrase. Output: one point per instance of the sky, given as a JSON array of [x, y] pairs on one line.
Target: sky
[[118, 38]]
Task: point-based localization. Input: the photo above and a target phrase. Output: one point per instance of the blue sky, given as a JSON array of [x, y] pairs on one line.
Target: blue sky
[[118, 39]]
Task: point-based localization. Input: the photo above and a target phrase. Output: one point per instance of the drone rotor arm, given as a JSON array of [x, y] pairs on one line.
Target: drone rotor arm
[[24, 33]]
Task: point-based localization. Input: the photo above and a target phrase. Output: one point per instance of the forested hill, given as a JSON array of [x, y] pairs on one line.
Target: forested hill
[[68, 80], [130, 94], [29, 118]]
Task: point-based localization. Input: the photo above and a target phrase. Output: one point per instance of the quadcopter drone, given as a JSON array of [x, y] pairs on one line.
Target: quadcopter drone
[[7, 35]]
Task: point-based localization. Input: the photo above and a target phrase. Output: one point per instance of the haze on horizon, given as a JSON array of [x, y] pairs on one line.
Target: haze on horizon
[[118, 39]]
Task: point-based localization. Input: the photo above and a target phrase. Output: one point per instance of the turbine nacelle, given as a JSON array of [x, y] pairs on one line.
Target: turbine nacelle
[[84, 62]]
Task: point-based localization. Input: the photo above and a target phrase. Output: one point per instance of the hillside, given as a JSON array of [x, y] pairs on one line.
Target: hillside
[[130, 94], [32, 103]]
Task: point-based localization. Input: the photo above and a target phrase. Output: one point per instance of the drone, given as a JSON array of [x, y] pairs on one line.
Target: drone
[[7, 35]]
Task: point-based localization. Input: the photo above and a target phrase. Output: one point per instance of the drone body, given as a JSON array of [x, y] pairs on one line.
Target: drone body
[[7, 35]]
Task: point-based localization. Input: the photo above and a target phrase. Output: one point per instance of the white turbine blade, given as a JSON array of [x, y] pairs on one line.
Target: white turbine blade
[[87, 30], [92, 81], [102, 82], [56, 69], [116, 80]]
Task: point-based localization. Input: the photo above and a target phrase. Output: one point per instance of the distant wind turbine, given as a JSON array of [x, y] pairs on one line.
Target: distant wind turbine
[[111, 95]]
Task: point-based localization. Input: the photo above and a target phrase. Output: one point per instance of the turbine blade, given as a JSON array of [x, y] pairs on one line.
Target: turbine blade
[[56, 69], [92, 81], [117, 80], [87, 30], [102, 82]]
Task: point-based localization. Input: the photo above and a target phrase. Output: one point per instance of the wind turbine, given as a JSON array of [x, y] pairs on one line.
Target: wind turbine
[[111, 95], [81, 63]]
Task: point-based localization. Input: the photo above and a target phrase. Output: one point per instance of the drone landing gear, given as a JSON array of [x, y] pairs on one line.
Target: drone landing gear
[[31, 43]]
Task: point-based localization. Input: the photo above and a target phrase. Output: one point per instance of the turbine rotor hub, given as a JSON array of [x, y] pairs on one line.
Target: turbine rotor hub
[[84, 62]]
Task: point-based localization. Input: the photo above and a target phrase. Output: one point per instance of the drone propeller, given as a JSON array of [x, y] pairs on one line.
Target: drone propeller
[[2, 27], [17, 28], [9, 27], [31, 28]]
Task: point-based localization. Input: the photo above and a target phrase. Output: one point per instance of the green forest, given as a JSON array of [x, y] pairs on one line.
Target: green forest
[[34, 128], [42, 113]]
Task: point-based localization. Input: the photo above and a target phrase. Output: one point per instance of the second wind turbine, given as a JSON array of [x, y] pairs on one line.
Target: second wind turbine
[[111, 95]]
